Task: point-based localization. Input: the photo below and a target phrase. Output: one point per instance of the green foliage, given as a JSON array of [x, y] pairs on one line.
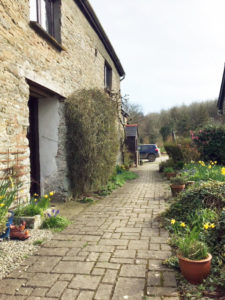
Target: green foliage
[[172, 262], [28, 210], [168, 170], [38, 242], [176, 165], [190, 247], [58, 223], [165, 132], [8, 190], [205, 195], [120, 176], [201, 209], [92, 139], [37, 205], [178, 180], [86, 200], [203, 172], [174, 152], [210, 142]]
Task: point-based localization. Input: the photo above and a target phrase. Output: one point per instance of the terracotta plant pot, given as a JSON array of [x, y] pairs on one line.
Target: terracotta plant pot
[[172, 174], [176, 189], [195, 270]]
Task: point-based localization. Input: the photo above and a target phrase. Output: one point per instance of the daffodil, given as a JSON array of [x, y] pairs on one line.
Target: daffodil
[[209, 167], [35, 199], [206, 226], [223, 171], [51, 193], [45, 196], [212, 225], [2, 204], [173, 221], [182, 224], [35, 195]]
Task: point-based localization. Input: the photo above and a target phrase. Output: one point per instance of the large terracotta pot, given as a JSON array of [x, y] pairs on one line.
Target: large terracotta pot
[[176, 189], [195, 270]]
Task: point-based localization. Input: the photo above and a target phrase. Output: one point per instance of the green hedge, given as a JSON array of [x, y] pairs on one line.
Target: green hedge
[[92, 139], [210, 142]]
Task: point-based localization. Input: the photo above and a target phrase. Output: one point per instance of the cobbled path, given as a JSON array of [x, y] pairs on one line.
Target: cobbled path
[[113, 250]]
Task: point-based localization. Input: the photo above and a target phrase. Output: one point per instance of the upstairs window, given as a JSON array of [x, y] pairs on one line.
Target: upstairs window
[[108, 77], [47, 14]]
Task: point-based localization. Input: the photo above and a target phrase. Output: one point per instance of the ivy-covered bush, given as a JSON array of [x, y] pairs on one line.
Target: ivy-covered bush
[[210, 194], [210, 142], [92, 139]]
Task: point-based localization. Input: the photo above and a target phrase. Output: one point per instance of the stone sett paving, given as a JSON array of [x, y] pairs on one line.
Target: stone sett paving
[[113, 250]]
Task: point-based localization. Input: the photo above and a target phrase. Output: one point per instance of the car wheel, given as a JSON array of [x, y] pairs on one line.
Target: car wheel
[[151, 157]]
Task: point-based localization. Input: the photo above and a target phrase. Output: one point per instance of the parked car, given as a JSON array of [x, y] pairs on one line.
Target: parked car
[[149, 151]]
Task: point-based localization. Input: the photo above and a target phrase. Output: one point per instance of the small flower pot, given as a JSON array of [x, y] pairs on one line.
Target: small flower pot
[[176, 189], [195, 270], [170, 175]]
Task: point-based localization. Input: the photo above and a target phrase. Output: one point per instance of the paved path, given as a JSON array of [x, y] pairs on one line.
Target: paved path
[[113, 250]]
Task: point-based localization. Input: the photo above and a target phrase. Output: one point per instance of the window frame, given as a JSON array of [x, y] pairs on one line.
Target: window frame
[[107, 76], [52, 30]]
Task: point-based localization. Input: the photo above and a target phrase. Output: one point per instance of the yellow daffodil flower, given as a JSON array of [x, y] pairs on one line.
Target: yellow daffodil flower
[[2, 204], [206, 226], [51, 193], [212, 225], [173, 221], [35, 195], [182, 224], [35, 200], [223, 171], [210, 167], [45, 196]]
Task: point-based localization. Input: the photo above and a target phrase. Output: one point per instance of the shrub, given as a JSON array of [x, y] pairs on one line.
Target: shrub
[[174, 152], [205, 195], [210, 142], [92, 139]]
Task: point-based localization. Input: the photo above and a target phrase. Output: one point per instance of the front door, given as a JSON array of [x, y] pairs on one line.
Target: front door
[[33, 137]]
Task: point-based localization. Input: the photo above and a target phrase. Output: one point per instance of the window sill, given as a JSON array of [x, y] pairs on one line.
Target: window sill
[[44, 34]]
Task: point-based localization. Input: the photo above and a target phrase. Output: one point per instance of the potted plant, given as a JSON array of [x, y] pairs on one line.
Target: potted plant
[[32, 213], [169, 172], [177, 185], [194, 259]]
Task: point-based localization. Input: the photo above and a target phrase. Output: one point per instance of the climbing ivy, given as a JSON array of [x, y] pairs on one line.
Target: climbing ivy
[[92, 139]]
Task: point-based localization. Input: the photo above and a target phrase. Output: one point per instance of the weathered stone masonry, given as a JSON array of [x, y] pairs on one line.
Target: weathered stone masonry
[[27, 57]]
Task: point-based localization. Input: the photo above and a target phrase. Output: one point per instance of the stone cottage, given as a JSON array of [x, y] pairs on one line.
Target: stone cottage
[[48, 49]]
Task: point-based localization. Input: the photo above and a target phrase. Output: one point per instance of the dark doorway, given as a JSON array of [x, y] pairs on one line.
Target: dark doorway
[[33, 137]]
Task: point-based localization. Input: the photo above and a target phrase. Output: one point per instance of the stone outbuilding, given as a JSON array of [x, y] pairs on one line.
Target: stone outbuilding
[[48, 49]]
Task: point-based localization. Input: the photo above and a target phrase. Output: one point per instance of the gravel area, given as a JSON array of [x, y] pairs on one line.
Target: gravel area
[[14, 252]]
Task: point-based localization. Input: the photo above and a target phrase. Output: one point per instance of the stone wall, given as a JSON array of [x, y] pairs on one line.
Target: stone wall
[[26, 55]]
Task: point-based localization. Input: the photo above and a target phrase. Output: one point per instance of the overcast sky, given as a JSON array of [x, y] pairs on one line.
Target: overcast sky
[[173, 51]]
